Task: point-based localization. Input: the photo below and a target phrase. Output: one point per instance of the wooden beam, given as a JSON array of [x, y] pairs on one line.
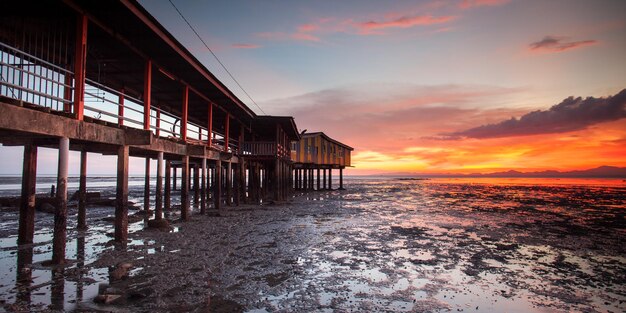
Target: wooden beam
[[158, 210], [210, 125], [184, 189], [168, 184], [226, 132], [82, 192], [120, 108]]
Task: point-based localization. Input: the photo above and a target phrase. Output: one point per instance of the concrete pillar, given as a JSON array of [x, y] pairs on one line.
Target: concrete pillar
[[146, 187], [218, 184], [60, 214], [121, 199], [82, 192], [325, 186], [158, 204], [24, 277], [203, 187], [196, 184], [184, 189], [229, 183], [168, 183], [27, 201]]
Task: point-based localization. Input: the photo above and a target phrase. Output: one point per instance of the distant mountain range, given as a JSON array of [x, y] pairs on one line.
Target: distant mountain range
[[598, 172]]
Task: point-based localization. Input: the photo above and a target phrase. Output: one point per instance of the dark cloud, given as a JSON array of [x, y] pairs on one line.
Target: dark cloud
[[559, 44], [569, 115]]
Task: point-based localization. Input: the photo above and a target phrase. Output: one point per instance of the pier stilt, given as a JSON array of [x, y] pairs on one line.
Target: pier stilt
[[203, 187], [217, 189], [330, 179], [325, 186], [27, 202], [318, 179], [184, 189], [60, 214], [229, 183], [196, 185], [121, 203], [82, 192], [237, 183], [341, 179], [168, 183], [146, 187], [158, 203], [175, 179]]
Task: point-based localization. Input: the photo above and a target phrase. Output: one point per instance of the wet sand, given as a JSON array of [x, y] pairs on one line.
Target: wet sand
[[381, 245]]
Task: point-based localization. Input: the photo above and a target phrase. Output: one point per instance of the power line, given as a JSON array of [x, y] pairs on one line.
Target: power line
[[215, 56]]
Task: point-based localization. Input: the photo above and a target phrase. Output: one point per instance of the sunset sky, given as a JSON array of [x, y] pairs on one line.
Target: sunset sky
[[414, 86]]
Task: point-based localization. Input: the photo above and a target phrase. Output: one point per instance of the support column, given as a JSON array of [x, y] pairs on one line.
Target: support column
[[305, 181], [146, 187], [27, 201], [217, 189], [196, 184], [276, 179], [229, 183], [60, 214], [185, 111], [184, 189], [80, 64], [82, 192], [147, 93], [175, 178], [168, 183], [203, 187], [318, 179], [121, 199], [341, 179], [120, 108], [210, 126], [330, 178], [158, 205], [325, 186], [237, 182]]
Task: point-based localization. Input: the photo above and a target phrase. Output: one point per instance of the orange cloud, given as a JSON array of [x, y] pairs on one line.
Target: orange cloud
[[391, 128], [245, 46], [553, 44], [404, 22]]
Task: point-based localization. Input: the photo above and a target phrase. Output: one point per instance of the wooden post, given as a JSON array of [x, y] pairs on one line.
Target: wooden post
[[120, 108], [203, 187], [217, 189], [168, 183], [60, 214], [175, 180], [158, 205], [244, 181], [82, 192], [318, 179], [121, 199], [27, 200], [185, 112], [196, 184], [276, 179], [158, 122], [229, 183], [341, 179], [305, 181], [237, 182], [330, 178], [184, 189], [80, 64], [147, 92], [325, 185], [146, 187]]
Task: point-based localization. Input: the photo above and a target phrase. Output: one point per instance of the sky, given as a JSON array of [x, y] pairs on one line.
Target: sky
[[431, 86]]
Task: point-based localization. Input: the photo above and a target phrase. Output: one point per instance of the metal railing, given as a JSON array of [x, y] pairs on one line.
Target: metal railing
[[30, 79], [265, 148]]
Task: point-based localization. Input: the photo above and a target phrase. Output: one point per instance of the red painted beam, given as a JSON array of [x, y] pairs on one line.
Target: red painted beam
[[120, 108], [80, 60], [147, 92], [226, 131], [158, 122], [183, 122], [210, 126]]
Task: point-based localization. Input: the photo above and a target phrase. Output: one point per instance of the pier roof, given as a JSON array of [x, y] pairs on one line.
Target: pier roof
[[314, 134]]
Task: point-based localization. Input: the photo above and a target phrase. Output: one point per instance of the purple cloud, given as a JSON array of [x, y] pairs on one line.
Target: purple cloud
[[569, 115]]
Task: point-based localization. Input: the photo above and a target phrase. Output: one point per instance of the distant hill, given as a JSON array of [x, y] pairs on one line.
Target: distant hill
[[598, 172]]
